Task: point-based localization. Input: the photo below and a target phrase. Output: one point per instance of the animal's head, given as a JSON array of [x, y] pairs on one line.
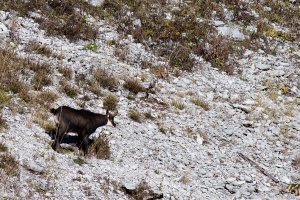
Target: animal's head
[[111, 117]]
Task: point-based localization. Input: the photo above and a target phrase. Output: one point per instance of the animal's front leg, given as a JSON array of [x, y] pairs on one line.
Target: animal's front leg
[[85, 145]]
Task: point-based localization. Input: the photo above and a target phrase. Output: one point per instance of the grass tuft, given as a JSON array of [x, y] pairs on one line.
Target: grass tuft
[[135, 115], [35, 46], [134, 86], [67, 72], [68, 89], [200, 102], [3, 147], [9, 164], [106, 79], [178, 104], [100, 148], [110, 102], [3, 123]]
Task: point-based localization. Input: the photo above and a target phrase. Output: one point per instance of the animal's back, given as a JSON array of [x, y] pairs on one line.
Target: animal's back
[[74, 117]]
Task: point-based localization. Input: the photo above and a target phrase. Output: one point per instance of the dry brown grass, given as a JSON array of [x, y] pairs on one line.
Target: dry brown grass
[[68, 88], [58, 18], [35, 46], [200, 102], [178, 104], [3, 147], [67, 72], [100, 148], [296, 162], [159, 71], [184, 178], [180, 59], [134, 86], [135, 115], [106, 79], [95, 88], [9, 164], [110, 102], [40, 79], [143, 191], [184, 34], [3, 123]]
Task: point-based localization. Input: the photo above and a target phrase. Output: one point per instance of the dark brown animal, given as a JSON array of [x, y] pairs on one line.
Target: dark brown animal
[[82, 122]]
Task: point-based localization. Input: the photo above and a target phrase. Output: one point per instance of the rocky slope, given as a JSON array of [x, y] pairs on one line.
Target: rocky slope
[[186, 152]]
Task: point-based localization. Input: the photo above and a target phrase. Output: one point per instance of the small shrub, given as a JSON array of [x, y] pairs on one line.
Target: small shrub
[[279, 34], [133, 85], [68, 89], [159, 71], [94, 88], [41, 79], [47, 97], [110, 102], [180, 59], [48, 126], [92, 47], [9, 164], [3, 123], [184, 178], [121, 51], [162, 128], [178, 104], [284, 89], [16, 86], [4, 98], [35, 46], [106, 79], [294, 187], [100, 148], [296, 162], [200, 102], [67, 72], [80, 79], [81, 104], [135, 115], [40, 116], [79, 161], [3, 147]]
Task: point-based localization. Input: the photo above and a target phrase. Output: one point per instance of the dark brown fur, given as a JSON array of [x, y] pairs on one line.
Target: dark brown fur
[[82, 122]]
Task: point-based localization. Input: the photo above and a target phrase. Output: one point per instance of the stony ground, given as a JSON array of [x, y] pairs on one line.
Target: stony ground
[[191, 153]]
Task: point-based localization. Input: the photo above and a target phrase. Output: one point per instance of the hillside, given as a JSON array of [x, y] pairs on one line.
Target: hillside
[[207, 95]]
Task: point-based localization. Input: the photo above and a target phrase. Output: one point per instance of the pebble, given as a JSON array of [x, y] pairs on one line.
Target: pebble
[[275, 130], [263, 66], [296, 126], [31, 165], [238, 183], [286, 179], [276, 73], [231, 179], [247, 178], [246, 109]]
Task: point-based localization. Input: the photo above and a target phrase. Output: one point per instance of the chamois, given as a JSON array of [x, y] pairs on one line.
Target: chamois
[[82, 122]]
